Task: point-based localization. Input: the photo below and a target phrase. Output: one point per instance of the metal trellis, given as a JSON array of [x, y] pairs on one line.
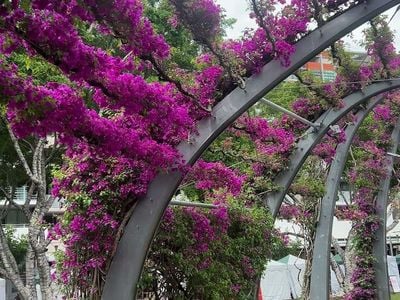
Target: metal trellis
[[128, 261]]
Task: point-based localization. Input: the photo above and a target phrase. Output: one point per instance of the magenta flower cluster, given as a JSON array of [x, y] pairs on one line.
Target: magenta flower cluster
[[275, 36], [215, 175]]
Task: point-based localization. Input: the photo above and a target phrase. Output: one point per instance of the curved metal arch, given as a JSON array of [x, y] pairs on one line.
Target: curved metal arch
[[320, 276], [137, 237], [305, 146], [124, 272], [379, 248]]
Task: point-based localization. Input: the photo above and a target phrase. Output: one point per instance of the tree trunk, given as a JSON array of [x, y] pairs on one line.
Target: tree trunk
[[309, 237], [338, 273], [30, 272], [36, 232], [10, 267], [44, 275], [307, 281], [36, 260], [39, 244], [349, 260]]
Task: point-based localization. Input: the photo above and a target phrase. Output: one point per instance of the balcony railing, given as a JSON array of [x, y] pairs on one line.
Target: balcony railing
[[21, 194]]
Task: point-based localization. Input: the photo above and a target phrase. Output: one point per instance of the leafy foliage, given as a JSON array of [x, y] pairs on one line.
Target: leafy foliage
[[234, 255]]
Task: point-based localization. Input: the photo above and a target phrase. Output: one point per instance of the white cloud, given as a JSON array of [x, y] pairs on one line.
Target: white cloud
[[237, 9], [353, 41]]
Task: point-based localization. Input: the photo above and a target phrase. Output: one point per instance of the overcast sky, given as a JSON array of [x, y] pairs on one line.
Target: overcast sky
[[238, 10]]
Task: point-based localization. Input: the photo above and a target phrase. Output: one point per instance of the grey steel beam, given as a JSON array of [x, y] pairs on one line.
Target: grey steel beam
[[379, 249], [393, 154], [320, 276], [290, 113], [312, 138], [192, 204], [126, 267]]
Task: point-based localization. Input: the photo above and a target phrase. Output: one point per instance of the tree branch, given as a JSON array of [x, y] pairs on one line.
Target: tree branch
[[21, 156], [339, 250], [336, 56], [318, 13], [338, 272], [380, 53], [308, 85], [9, 262], [10, 198], [163, 75], [260, 19], [37, 161], [28, 200]]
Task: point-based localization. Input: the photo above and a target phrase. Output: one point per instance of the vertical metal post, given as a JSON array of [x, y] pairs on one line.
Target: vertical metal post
[[380, 244], [320, 276]]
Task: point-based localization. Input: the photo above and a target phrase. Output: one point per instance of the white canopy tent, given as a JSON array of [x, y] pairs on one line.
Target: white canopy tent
[[277, 283], [394, 276], [296, 267], [283, 279]]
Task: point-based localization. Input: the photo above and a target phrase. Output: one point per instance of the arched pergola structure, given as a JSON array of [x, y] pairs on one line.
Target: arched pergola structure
[[322, 245], [320, 276], [306, 145], [128, 261]]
